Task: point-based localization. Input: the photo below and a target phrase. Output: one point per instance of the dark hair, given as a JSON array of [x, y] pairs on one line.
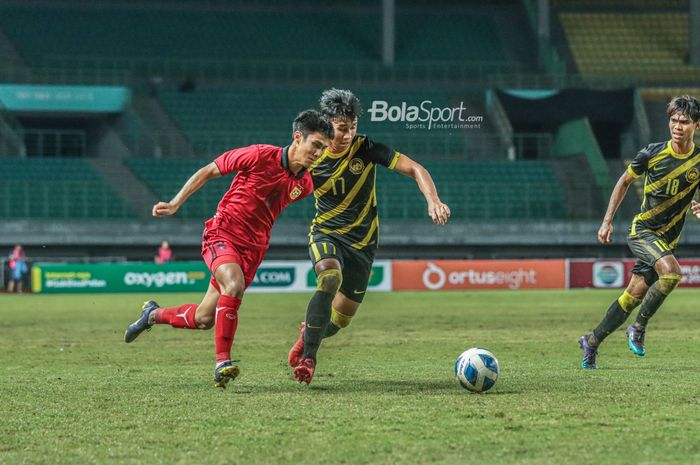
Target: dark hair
[[685, 105], [309, 121], [340, 103]]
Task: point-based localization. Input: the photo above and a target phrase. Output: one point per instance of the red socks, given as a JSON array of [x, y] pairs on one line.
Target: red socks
[[181, 316], [225, 326]]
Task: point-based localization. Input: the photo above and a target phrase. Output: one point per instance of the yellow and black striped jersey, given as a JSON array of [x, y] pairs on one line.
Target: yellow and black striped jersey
[[344, 188], [669, 185]]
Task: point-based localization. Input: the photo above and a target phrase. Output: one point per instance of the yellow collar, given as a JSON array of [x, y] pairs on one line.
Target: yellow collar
[[680, 155]]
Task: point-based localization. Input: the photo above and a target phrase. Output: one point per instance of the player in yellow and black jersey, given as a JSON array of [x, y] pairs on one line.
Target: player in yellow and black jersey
[[344, 232], [671, 173]]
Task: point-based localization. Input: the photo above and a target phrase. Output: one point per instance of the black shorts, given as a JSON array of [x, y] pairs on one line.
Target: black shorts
[[356, 265], [648, 248]]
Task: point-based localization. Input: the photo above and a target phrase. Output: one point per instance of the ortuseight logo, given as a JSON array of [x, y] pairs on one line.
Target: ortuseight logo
[[434, 278]]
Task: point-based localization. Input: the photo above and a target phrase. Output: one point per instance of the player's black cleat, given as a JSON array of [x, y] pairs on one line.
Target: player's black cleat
[[142, 324]]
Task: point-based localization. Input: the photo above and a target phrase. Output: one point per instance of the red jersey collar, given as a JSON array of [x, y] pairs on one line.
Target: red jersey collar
[[285, 163]]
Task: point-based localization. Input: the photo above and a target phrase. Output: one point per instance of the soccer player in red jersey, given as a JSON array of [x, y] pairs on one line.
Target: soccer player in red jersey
[[235, 240]]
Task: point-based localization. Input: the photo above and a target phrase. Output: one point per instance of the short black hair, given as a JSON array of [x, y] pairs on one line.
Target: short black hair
[[685, 105], [309, 121], [340, 103]]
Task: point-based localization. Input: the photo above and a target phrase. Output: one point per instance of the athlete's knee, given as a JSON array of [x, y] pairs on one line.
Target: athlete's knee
[[204, 321], [341, 320], [668, 282], [329, 281], [628, 302], [233, 288]]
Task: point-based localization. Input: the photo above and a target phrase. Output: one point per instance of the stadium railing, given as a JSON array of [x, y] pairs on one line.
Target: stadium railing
[[208, 144], [556, 81], [11, 140], [499, 119], [460, 146], [533, 145], [55, 142], [115, 70]]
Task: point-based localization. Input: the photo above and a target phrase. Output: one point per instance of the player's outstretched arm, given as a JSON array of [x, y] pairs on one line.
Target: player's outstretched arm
[[438, 211], [618, 194], [196, 181]]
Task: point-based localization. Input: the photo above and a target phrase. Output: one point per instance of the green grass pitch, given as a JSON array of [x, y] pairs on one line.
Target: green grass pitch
[[73, 393]]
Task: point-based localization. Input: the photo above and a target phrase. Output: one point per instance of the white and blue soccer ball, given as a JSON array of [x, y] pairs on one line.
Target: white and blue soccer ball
[[477, 369]]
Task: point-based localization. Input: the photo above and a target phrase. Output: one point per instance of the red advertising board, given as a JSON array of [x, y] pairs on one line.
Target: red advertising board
[[617, 273], [478, 274]]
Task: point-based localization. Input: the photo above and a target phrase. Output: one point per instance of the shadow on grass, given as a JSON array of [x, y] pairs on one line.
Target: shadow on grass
[[363, 386]]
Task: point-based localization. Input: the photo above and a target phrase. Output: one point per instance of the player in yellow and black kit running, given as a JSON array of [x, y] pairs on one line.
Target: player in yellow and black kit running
[[344, 232], [672, 175]]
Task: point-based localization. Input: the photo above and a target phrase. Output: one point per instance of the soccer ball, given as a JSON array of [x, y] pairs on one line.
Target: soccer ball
[[477, 369]]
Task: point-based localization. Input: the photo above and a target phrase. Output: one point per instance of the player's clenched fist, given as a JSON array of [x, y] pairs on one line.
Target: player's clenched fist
[[164, 209]]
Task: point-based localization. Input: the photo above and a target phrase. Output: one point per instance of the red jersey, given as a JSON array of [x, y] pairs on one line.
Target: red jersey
[[261, 189]]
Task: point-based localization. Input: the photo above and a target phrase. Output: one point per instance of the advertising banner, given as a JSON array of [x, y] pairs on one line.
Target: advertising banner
[[119, 277], [272, 276], [83, 99], [690, 269], [478, 274], [380, 278], [617, 273], [600, 273]]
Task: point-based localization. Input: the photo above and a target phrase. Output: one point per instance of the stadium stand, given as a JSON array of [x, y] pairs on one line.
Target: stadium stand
[[642, 46], [215, 119], [521, 190], [127, 41], [165, 178], [51, 188], [445, 36], [245, 91]]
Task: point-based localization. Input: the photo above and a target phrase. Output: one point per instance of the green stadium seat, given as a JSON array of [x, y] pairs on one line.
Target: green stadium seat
[[165, 178], [56, 188], [646, 45], [478, 190]]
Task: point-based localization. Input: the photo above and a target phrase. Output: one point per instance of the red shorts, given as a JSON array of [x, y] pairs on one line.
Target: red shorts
[[218, 249]]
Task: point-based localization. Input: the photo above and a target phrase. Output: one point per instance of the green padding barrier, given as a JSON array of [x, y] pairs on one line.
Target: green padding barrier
[[119, 277], [576, 137], [84, 99]]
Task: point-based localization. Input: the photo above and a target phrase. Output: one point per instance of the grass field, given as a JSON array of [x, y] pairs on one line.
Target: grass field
[[74, 393]]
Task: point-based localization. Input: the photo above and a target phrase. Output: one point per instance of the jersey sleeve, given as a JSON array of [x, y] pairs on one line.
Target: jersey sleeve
[[640, 163], [241, 159], [381, 154]]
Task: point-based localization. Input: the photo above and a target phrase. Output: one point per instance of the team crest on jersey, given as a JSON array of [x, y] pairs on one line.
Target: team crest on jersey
[[296, 192], [357, 166], [692, 175]]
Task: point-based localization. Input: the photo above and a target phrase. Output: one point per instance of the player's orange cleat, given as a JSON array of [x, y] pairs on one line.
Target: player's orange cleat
[[296, 353], [305, 371]]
